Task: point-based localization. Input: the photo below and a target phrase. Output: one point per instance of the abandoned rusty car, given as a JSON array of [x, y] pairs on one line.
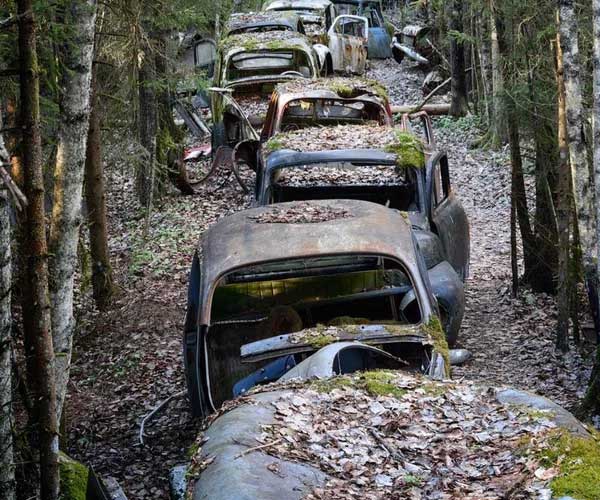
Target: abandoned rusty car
[[299, 276]]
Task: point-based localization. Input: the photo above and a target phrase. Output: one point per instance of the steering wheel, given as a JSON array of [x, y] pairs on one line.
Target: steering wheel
[[292, 73]]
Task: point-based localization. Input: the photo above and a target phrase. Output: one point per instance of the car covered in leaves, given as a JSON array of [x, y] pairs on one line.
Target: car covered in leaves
[[272, 285], [345, 36], [317, 15], [258, 22], [385, 165], [247, 68], [375, 434], [326, 102]]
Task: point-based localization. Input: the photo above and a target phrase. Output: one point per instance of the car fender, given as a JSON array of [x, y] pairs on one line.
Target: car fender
[[322, 52], [448, 289]]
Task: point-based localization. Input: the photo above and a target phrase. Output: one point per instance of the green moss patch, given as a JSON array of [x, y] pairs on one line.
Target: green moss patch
[[434, 329], [375, 383], [408, 150], [73, 478], [578, 460]]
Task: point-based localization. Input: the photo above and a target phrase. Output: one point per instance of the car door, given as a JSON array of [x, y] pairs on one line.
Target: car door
[[447, 215], [380, 41], [347, 39], [205, 54]]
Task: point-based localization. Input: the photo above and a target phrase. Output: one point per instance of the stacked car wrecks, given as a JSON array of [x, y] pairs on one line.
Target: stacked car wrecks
[[355, 253]]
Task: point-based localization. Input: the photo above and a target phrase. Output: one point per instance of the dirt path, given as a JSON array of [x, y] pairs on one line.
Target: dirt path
[[128, 360]]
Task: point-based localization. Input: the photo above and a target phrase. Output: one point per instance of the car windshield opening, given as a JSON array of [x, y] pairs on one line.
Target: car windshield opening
[[302, 113], [264, 301], [383, 184]]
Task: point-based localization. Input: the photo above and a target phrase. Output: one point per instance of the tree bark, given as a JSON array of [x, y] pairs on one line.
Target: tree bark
[[7, 469], [148, 127], [591, 403], [76, 57], [498, 129], [584, 196], [102, 277], [563, 212], [36, 306], [458, 85]]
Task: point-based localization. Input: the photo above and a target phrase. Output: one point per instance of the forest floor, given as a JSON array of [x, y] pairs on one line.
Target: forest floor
[[128, 360]]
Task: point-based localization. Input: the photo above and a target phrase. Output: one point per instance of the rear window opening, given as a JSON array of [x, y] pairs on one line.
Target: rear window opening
[[248, 64], [383, 184], [262, 302]]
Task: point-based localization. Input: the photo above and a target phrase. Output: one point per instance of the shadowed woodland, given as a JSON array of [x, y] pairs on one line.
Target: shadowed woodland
[[110, 172]]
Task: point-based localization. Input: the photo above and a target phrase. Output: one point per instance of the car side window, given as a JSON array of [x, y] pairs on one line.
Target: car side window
[[441, 181]]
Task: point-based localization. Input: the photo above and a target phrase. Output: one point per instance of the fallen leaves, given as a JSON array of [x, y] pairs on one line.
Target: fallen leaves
[[300, 213]]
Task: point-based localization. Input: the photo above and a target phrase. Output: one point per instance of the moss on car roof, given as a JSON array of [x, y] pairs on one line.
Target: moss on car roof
[[269, 40], [408, 148], [241, 19], [343, 87]]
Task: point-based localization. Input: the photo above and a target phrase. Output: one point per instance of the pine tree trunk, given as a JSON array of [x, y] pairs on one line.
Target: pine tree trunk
[[102, 278], [458, 84], [39, 351], [7, 469], [148, 128], [584, 196], [76, 57], [591, 403], [563, 212]]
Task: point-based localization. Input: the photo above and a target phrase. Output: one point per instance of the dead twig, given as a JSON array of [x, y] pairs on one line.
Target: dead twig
[[260, 447], [148, 416]]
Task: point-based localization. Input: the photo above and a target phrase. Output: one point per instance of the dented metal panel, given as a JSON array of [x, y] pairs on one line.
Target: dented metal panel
[[238, 241]]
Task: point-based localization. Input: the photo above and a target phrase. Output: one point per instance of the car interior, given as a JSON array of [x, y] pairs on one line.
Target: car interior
[[302, 113], [382, 184], [261, 302]]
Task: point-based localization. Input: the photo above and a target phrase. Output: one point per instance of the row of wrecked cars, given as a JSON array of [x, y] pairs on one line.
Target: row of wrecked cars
[[351, 261]]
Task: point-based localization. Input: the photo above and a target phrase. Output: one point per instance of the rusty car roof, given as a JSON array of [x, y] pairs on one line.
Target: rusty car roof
[[248, 238], [265, 18], [297, 4], [269, 40]]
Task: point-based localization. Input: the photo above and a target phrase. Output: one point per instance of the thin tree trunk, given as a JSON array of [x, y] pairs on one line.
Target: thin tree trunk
[[458, 85], [584, 196], [36, 306], [102, 278], [563, 212], [498, 129], [591, 403], [76, 56], [148, 127], [7, 468]]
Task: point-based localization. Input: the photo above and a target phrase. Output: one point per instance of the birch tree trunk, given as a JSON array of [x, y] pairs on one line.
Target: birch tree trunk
[[498, 131], [76, 57], [7, 470], [584, 196], [39, 351], [95, 194], [591, 403]]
